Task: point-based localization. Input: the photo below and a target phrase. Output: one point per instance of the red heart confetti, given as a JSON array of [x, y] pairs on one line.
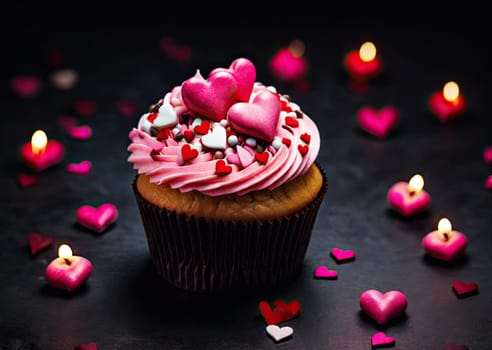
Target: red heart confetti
[[127, 108], [203, 128], [26, 180], [261, 157], [380, 339], [303, 149], [221, 168], [294, 306], [285, 106], [306, 137], [85, 107], [286, 141], [86, 346], [37, 242], [341, 255], [463, 289], [188, 152], [291, 122], [189, 135], [151, 117], [282, 311]]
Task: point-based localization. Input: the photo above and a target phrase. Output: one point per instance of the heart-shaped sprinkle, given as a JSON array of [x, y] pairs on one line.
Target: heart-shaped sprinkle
[[26, 180], [323, 272], [341, 255], [83, 167], [209, 98], [217, 139], [279, 333], [127, 108], [64, 79], [261, 157], [166, 118], [463, 289], [221, 167], [202, 128], [488, 182], [38, 242], [275, 316], [383, 308], [82, 132], [97, 219], [294, 306], [151, 117], [244, 73], [257, 119], [380, 339], [292, 122], [26, 86], [85, 107], [188, 153], [86, 346], [378, 122], [286, 141], [306, 137], [188, 135], [303, 149]]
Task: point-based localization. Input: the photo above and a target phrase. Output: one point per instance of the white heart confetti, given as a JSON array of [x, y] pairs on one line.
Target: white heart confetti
[[166, 117], [217, 139], [279, 333]]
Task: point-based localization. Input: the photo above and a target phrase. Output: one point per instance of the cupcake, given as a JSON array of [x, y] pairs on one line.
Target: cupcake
[[227, 183]]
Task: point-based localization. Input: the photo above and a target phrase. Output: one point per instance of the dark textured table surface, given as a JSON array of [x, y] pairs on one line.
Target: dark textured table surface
[[125, 305]]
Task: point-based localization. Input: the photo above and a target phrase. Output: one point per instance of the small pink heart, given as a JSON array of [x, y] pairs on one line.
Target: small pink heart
[[26, 180], [86, 346], [82, 132], [324, 273], [259, 118], [26, 86], [444, 249], [380, 339], [244, 72], [487, 155], [210, 98], [463, 289], [97, 219], [378, 122], [383, 307], [37, 242], [341, 255], [488, 182], [84, 167]]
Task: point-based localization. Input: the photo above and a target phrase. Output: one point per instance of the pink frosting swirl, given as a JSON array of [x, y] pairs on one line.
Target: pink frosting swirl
[[252, 164]]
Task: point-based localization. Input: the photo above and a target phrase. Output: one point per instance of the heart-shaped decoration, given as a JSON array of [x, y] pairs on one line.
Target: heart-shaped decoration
[[86, 346], [82, 132], [210, 98], [292, 122], [262, 157], [84, 167], [26, 86], [378, 122], [188, 152], [38, 242], [444, 249], [383, 308], [202, 128], [294, 306], [323, 272], [275, 316], [463, 289], [341, 255], [53, 154], [487, 155], [221, 167], [188, 135], [259, 118], [217, 139], [26, 180], [244, 73], [97, 219], [245, 157], [380, 339], [303, 149], [488, 182], [279, 333], [406, 203], [166, 117]]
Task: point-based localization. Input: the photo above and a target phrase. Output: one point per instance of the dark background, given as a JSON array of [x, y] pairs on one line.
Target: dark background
[[115, 49]]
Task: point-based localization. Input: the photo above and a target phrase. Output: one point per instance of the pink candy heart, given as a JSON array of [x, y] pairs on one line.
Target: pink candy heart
[[244, 73], [383, 307], [324, 273], [210, 98], [406, 203], [341, 255], [38, 242], [97, 219], [82, 132], [84, 167], [259, 118], [378, 122], [25, 86], [381, 339]]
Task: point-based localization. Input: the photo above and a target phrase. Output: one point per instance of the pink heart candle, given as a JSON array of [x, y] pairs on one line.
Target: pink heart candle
[[444, 243], [448, 103], [383, 308], [409, 198], [41, 153], [289, 64], [378, 122], [363, 64], [68, 271]]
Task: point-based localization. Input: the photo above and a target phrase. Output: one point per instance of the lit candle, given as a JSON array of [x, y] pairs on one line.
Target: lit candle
[[68, 271], [363, 64], [447, 103], [444, 243], [41, 153], [289, 64], [409, 198]]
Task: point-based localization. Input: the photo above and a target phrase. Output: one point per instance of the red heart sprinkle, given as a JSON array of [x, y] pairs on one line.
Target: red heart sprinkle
[[278, 315], [286, 141], [294, 306], [26, 180], [189, 135], [261, 157], [86, 346], [84, 108], [284, 105], [164, 134], [151, 117], [303, 149], [463, 289], [221, 168], [188, 153], [380, 339], [38, 242], [203, 128], [306, 137], [291, 122]]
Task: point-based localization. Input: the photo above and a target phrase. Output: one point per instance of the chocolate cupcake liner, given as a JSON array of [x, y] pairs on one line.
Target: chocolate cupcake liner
[[203, 255]]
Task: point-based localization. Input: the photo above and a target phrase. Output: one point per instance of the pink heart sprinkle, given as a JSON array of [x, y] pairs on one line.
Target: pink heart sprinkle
[[26, 180], [381, 339], [324, 273], [383, 308], [26, 86], [84, 167], [97, 219], [378, 122], [488, 182], [341, 255], [82, 132]]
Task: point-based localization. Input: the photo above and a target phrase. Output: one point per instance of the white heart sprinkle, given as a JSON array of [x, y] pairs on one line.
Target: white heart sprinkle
[[216, 139], [166, 117], [278, 333]]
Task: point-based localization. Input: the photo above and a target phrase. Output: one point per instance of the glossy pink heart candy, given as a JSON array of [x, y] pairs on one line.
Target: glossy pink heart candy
[[383, 308], [210, 98], [84, 167], [259, 118], [378, 122], [323, 272], [341, 255], [244, 73], [82, 132], [97, 219], [381, 339]]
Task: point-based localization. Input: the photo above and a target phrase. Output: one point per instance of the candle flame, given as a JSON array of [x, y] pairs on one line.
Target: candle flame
[[64, 251], [416, 183], [367, 51], [39, 141], [297, 48], [444, 226], [451, 91]]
